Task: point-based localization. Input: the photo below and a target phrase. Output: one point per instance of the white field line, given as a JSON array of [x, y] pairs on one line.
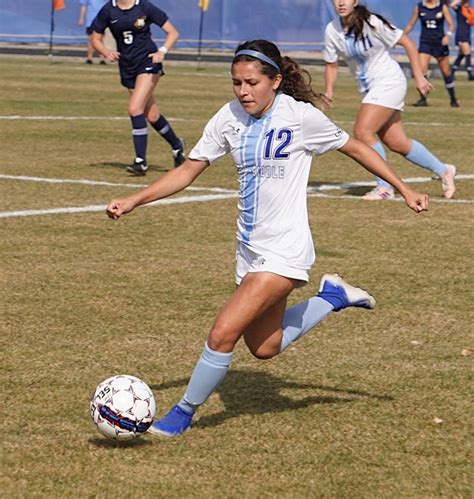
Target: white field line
[[84, 118], [98, 208], [372, 183], [119, 118], [101, 183], [322, 187], [223, 194], [191, 199]]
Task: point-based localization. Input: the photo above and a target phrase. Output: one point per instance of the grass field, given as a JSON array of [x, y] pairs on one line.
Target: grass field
[[348, 412]]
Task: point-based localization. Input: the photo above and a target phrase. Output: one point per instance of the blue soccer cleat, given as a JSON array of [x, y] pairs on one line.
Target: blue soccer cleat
[[175, 423], [341, 295]]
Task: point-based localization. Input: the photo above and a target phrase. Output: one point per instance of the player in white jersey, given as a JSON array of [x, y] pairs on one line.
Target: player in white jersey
[[271, 130], [363, 39]]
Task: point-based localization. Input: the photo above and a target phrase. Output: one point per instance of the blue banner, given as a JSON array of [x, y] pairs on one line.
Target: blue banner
[[293, 24]]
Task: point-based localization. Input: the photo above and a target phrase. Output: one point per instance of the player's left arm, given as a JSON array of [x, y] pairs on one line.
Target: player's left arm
[[373, 162], [412, 21], [172, 36], [450, 21], [422, 84]]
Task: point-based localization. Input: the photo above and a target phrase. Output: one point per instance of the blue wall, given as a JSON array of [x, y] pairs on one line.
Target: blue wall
[[294, 24]]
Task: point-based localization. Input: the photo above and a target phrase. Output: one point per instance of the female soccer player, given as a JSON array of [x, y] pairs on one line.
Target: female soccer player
[[463, 38], [141, 67], [363, 39], [271, 130], [434, 42], [89, 9]]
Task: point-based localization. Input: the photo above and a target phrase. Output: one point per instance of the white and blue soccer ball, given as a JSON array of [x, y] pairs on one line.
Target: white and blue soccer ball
[[122, 407]]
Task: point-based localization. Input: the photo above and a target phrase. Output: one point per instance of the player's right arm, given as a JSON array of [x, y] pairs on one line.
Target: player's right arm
[[330, 57], [412, 21], [422, 84], [101, 22], [168, 184], [330, 77]]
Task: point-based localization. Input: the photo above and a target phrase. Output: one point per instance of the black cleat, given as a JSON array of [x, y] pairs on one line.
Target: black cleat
[[421, 103], [89, 61], [454, 103], [179, 155], [138, 168]]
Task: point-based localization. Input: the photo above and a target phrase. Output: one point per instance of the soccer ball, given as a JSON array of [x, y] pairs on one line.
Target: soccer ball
[[122, 407]]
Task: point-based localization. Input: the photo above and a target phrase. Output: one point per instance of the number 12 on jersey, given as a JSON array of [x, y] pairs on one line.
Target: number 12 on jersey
[[276, 142]]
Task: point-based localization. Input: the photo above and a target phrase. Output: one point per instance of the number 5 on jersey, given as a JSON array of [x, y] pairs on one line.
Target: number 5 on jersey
[[127, 37]]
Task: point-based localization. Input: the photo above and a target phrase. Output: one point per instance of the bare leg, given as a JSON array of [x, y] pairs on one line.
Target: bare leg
[[370, 119], [394, 137], [259, 296], [424, 63]]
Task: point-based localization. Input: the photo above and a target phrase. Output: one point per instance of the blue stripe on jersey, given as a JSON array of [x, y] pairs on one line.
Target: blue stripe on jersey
[[251, 158], [354, 52], [248, 189]]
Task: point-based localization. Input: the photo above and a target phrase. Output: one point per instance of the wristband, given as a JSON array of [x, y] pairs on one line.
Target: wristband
[[163, 50], [449, 33]]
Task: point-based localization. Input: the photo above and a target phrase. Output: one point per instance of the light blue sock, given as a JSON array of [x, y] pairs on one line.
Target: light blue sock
[[207, 376], [421, 156], [378, 147], [298, 320]]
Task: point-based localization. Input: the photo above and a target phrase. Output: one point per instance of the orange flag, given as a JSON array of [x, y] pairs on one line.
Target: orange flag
[[58, 4], [204, 5]]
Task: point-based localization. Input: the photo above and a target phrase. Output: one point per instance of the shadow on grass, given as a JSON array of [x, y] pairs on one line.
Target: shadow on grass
[[123, 166], [349, 191], [250, 392], [117, 444]]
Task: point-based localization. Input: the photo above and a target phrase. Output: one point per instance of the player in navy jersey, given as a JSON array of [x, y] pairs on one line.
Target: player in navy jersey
[[271, 130], [140, 63], [462, 39], [434, 42]]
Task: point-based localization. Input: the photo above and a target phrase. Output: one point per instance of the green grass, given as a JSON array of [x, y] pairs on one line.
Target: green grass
[[347, 412]]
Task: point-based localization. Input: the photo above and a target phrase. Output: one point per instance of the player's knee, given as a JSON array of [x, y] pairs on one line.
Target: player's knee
[[363, 135], [221, 339], [135, 109], [152, 115]]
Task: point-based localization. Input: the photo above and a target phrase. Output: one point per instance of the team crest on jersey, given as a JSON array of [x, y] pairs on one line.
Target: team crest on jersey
[[140, 22], [439, 15]]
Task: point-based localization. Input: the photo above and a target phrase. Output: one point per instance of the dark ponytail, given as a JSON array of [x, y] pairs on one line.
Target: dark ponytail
[[361, 15], [296, 81]]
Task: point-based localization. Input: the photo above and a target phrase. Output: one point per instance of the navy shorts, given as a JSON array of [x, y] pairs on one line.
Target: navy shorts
[[463, 36], [89, 30], [433, 49], [128, 77]]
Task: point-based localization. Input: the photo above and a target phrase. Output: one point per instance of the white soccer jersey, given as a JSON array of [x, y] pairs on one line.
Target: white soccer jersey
[[368, 58], [272, 156]]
